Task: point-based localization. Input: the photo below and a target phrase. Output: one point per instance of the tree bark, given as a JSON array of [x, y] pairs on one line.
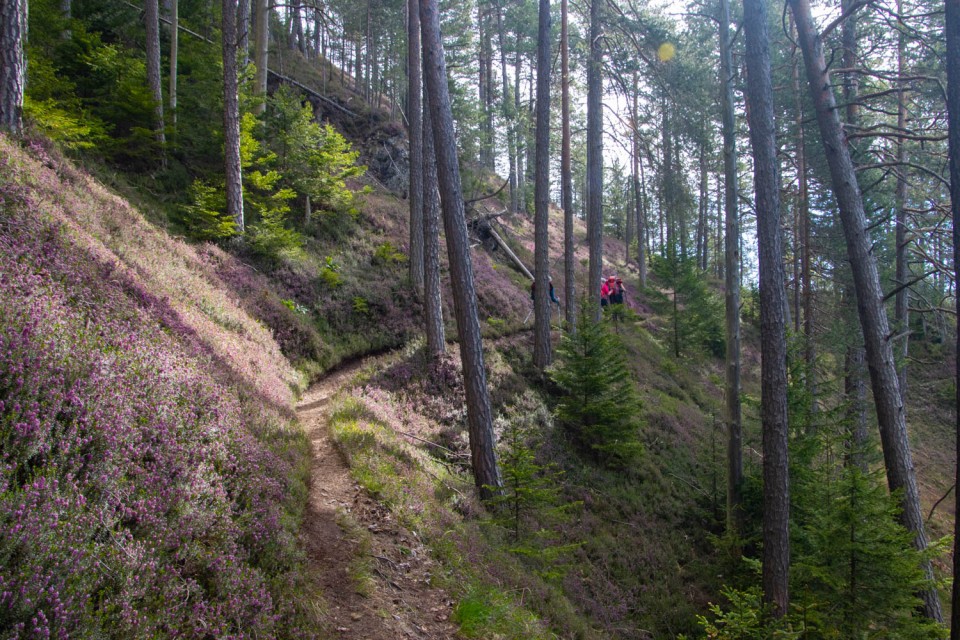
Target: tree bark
[[486, 472], [243, 32], [873, 316], [952, 28], [174, 53], [803, 205], [151, 21], [508, 111], [261, 54], [13, 64], [433, 307], [415, 111], [731, 280], [542, 355], [231, 116], [901, 303], [566, 175], [595, 159], [773, 344]]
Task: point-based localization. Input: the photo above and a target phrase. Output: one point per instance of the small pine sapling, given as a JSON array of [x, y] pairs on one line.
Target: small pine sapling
[[531, 506], [599, 406]]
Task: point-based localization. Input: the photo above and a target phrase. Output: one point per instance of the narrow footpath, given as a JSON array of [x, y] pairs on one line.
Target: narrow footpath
[[375, 575]]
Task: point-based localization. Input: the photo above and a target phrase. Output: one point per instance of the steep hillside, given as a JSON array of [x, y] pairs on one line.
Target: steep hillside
[[150, 470]]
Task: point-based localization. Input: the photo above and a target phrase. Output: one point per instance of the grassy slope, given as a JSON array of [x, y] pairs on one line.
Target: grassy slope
[[152, 482]]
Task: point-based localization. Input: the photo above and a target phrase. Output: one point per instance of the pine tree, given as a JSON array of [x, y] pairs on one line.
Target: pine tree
[[600, 407]]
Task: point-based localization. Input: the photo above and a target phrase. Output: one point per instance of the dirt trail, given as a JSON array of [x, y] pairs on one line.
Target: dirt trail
[[374, 573]]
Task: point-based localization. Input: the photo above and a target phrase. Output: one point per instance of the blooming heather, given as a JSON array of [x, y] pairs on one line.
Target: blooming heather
[[138, 494]]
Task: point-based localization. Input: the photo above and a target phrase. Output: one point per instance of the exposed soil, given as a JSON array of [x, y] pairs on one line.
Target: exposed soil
[[390, 595]]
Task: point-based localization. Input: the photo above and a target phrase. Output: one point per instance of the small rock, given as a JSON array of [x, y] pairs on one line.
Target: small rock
[[355, 616]]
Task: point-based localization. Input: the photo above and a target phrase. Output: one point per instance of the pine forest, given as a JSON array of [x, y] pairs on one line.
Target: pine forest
[[495, 319]]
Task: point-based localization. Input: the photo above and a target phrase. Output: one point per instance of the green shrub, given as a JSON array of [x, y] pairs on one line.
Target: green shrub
[[386, 253], [205, 218], [599, 406]]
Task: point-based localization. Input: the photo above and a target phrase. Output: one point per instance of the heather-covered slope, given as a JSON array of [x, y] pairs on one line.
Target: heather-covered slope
[[148, 465]]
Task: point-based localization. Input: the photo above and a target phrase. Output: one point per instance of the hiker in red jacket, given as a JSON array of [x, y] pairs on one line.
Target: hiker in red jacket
[[606, 290]]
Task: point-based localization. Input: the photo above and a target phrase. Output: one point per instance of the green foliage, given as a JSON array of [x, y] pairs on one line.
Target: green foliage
[[744, 619], [315, 160], [531, 505], [72, 130], [205, 218], [386, 253], [855, 567], [696, 310], [599, 406], [330, 272], [361, 306], [268, 236]]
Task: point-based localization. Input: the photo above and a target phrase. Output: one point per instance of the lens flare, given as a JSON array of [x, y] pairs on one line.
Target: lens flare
[[666, 52]]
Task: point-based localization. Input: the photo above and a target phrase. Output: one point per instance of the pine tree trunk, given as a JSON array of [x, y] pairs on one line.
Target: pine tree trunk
[[231, 115], [566, 176], [415, 117], [433, 307], [486, 472], [13, 64], [952, 28], [243, 32], [595, 159], [731, 280], [151, 21], [873, 317], [519, 133], [902, 299], [174, 53], [542, 355], [773, 346], [261, 54], [508, 112], [803, 205], [702, 252]]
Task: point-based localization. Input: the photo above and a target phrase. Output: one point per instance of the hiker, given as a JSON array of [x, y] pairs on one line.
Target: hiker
[[553, 297], [606, 290], [616, 297]]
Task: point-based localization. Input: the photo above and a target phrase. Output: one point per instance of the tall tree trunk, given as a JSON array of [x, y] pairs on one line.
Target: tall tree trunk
[[803, 205], [595, 158], [668, 205], [731, 280], [231, 115], [566, 175], [856, 392], [243, 32], [952, 28], [486, 472], [902, 299], [13, 64], [151, 20], [174, 52], [773, 344], [873, 316], [436, 340], [415, 111], [643, 209], [261, 54], [520, 132], [704, 204], [508, 111], [637, 168], [542, 354], [66, 12]]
